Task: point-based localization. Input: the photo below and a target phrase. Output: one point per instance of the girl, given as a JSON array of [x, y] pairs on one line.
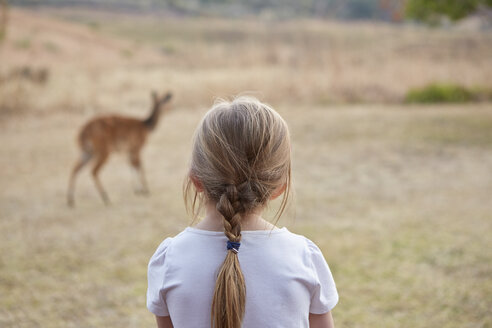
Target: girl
[[270, 277]]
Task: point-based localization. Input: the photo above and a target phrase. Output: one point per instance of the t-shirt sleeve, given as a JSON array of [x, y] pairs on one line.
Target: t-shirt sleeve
[[324, 295], [156, 275]]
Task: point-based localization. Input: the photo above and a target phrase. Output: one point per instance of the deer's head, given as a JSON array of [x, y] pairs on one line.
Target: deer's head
[[159, 101]]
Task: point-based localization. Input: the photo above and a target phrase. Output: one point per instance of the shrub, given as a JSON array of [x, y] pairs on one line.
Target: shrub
[[432, 11], [441, 93]]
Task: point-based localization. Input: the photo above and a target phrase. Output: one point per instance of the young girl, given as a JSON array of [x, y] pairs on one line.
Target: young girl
[[234, 269]]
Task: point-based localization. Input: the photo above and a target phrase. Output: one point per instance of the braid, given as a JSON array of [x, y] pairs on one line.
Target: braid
[[229, 302], [234, 202], [231, 208]]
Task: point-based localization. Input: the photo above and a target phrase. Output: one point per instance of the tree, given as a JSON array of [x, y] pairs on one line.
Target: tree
[[433, 11], [3, 19]]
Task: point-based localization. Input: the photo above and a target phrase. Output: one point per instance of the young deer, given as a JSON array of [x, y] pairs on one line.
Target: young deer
[[103, 135]]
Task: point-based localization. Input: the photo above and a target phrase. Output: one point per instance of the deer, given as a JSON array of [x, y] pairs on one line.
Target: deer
[[103, 135]]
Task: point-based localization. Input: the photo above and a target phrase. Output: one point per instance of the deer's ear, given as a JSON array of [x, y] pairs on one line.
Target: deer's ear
[[154, 96], [168, 96]]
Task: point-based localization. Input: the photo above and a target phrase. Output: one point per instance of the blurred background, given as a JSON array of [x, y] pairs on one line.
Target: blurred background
[[389, 105]]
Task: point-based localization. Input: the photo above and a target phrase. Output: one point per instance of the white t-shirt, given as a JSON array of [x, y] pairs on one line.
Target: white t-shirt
[[286, 278]]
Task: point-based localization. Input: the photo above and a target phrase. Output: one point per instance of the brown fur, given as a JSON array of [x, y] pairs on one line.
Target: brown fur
[[101, 136]]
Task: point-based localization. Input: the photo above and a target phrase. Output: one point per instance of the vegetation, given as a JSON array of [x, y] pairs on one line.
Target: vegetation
[[441, 93], [387, 10], [433, 11], [343, 9], [447, 93], [3, 19]]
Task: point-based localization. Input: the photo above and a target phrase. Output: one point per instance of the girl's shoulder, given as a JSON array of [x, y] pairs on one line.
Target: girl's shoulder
[[276, 234], [166, 244], [306, 245], [269, 242], [299, 240]]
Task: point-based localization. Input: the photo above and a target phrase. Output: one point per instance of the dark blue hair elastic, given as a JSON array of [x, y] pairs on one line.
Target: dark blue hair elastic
[[233, 246]]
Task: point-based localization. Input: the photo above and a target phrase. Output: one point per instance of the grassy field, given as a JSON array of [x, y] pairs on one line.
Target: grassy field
[[397, 197]]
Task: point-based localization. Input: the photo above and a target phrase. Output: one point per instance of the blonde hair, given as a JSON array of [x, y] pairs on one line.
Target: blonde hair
[[241, 158]]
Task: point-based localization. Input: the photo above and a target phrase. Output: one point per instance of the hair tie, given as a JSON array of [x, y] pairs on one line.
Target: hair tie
[[233, 246]]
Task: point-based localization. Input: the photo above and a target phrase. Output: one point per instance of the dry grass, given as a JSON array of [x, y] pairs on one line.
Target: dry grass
[[402, 216], [398, 197]]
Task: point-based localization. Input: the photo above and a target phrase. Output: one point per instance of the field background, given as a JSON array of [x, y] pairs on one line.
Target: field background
[[397, 196]]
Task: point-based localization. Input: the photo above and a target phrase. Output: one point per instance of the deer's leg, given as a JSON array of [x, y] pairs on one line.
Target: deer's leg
[[84, 159], [100, 160], [137, 166]]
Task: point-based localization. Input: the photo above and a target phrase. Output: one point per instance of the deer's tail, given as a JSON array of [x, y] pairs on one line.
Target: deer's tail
[[85, 142]]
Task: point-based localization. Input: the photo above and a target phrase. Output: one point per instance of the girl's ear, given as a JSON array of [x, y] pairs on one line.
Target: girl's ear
[[279, 191], [197, 183]]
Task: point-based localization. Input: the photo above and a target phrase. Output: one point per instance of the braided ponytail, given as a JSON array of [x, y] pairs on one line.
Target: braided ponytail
[[229, 299], [241, 156]]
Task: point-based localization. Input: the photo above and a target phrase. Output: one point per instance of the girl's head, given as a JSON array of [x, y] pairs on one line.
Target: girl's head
[[240, 160], [241, 150]]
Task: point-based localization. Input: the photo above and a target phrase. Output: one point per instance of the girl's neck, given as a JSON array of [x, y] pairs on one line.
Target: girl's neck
[[213, 221]]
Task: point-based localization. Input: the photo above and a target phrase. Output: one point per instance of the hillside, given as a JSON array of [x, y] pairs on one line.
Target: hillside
[[91, 55]]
